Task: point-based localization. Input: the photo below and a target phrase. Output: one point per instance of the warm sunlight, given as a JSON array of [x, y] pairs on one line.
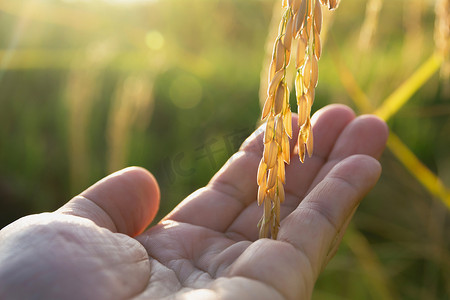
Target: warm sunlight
[[88, 87]]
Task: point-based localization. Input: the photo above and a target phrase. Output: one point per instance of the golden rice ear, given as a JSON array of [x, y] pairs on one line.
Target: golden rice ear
[[287, 40], [301, 50], [295, 4], [279, 98], [280, 191], [310, 143], [307, 73], [279, 130], [308, 26], [333, 4], [281, 169], [272, 177], [302, 110], [301, 152], [270, 127], [286, 149], [287, 120], [280, 55], [275, 219], [310, 7], [318, 17], [276, 223], [272, 67], [262, 190], [303, 34], [275, 82], [271, 193], [261, 227], [262, 172], [299, 87], [310, 97], [300, 18], [270, 154], [301, 144], [267, 107], [317, 45], [314, 72], [286, 98], [265, 220]]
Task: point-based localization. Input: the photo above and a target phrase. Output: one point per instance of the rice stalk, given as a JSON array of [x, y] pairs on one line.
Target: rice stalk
[[373, 8], [376, 276], [390, 107], [301, 24], [427, 178], [357, 95], [442, 37], [133, 99], [81, 92], [414, 41], [407, 89]]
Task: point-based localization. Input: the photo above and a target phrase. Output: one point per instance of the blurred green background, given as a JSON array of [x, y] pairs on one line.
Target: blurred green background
[[89, 87]]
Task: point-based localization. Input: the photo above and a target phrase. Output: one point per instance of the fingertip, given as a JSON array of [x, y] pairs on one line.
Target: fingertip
[[328, 123], [339, 111], [144, 179], [366, 134], [380, 125], [148, 190]]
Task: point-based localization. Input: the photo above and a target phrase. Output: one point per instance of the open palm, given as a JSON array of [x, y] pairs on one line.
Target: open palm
[[95, 246]]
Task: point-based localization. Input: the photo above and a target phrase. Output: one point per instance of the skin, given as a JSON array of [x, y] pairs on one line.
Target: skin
[[95, 246]]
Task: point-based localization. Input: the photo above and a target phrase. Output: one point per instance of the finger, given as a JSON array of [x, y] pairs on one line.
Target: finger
[[316, 224], [366, 134], [234, 187], [328, 124], [125, 201]]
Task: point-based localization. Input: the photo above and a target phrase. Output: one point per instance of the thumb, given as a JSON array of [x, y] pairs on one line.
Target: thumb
[[125, 201]]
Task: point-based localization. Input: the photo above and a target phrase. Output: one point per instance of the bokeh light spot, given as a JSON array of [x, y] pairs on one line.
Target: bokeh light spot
[[154, 40]]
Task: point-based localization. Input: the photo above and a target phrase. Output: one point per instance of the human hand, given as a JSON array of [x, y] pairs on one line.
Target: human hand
[[95, 246]]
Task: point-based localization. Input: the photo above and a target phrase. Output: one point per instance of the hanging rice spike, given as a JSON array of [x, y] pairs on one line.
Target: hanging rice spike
[[302, 20]]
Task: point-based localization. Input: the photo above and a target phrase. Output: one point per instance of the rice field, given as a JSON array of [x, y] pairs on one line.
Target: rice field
[[89, 87]]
